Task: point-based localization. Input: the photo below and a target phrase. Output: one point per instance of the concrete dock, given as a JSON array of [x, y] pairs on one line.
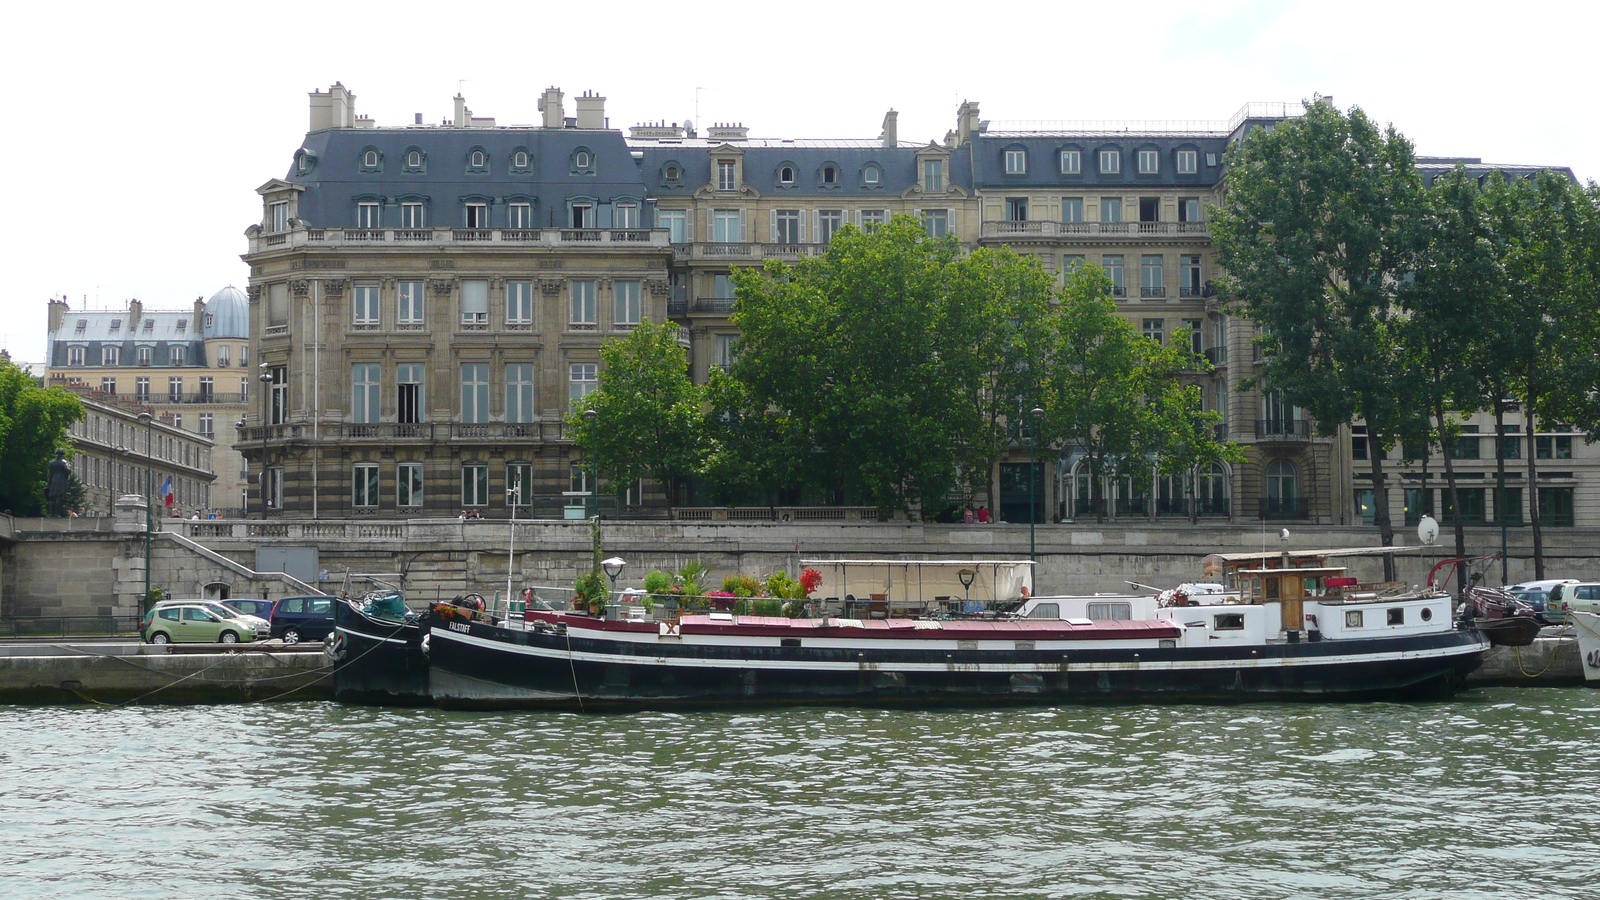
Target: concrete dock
[[120, 672], [1552, 660]]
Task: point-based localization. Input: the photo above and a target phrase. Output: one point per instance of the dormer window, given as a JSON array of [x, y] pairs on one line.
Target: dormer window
[[278, 216], [871, 174], [304, 161], [1016, 161], [1071, 162], [416, 160], [1149, 161], [110, 355], [83, 324], [370, 158], [143, 353], [933, 175], [183, 325], [1188, 162], [583, 161], [725, 176], [477, 160], [520, 160], [671, 174], [149, 325], [830, 174], [1110, 162], [786, 175], [116, 324]]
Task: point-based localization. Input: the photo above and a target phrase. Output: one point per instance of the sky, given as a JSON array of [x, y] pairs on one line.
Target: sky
[[140, 131]]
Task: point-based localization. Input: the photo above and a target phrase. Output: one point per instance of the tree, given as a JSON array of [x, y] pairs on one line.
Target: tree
[[33, 424], [649, 415], [893, 357], [1316, 237], [1115, 395]]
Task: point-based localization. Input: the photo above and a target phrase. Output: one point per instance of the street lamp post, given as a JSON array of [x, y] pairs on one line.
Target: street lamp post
[[593, 419], [266, 401], [513, 494], [613, 567], [244, 487], [149, 520], [966, 576], [1033, 477]]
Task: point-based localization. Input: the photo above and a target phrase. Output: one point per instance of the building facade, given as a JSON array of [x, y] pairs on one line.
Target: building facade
[[123, 446], [191, 366], [430, 300]]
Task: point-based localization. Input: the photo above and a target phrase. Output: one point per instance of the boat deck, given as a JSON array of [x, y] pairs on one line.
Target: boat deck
[[887, 629]]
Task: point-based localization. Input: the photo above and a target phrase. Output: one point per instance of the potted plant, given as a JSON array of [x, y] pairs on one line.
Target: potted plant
[[590, 593]]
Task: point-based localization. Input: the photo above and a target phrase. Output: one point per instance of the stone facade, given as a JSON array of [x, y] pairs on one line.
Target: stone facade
[[116, 452]]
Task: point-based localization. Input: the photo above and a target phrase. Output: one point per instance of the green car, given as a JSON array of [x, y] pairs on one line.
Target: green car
[[194, 622]]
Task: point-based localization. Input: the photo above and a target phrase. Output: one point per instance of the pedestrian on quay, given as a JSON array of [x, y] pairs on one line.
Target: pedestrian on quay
[[983, 515]]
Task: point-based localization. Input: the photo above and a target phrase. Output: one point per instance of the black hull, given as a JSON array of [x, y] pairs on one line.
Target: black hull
[[380, 662], [489, 667], [1511, 631]]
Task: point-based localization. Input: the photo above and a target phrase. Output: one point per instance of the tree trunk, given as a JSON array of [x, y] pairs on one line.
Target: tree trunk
[[1455, 503], [1380, 497]]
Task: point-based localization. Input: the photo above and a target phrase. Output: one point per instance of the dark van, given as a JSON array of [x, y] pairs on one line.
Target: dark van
[[297, 619]]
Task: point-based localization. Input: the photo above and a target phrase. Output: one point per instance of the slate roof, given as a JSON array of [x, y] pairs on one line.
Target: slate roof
[[763, 161], [336, 181], [1044, 168], [97, 331]]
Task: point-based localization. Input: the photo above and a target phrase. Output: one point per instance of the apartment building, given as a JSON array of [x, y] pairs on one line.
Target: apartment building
[[123, 446]]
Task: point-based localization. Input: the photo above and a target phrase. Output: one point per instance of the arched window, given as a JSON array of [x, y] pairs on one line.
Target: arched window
[[478, 159], [786, 175], [581, 159], [830, 174], [370, 159], [871, 174], [1211, 492], [1283, 488], [519, 159], [671, 174]]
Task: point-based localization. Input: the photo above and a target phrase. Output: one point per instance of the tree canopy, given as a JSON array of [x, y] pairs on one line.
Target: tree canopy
[[33, 425]]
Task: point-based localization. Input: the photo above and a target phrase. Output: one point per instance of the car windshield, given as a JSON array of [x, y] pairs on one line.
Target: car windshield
[[225, 611]]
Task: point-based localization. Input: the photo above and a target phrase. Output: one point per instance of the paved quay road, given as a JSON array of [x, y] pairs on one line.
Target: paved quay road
[[1490, 795]]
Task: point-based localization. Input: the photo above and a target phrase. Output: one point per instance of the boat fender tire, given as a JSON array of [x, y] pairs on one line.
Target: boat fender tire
[[336, 646], [423, 646]]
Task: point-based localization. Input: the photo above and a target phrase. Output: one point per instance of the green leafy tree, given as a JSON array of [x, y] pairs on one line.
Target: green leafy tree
[[1317, 235], [893, 359], [649, 415], [755, 449], [33, 424], [1116, 396]]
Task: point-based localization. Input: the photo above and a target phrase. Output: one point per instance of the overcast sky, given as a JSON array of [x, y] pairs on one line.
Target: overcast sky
[[140, 131]]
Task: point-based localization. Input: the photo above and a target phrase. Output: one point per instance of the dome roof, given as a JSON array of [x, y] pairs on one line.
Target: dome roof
[[228, 314]]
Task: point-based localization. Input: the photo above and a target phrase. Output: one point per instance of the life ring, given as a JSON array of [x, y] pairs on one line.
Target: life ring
[[336, 646]]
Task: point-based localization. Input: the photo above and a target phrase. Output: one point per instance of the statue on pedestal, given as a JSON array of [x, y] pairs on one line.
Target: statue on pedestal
[[55, 490]]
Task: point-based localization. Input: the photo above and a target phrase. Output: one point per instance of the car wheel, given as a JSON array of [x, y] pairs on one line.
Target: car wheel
[[229, 637], [160, 637], [291, 636]]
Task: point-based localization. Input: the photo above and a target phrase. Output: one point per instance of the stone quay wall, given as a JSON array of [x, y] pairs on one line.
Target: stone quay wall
[[89, 570]]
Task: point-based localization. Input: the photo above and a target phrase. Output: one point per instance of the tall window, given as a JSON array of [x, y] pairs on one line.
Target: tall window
[[279, 212], [1188, 209], [1191, 275], [582, 312], [110, 355], [141, 388], [208, 424], [176, 355], [413, 216], [1016, 161], [676, 222], [408, 484], [1283, 484], [1111, 209], [1195, 329], [368, 215], [1112, 263], [108, 385], [519, 302], [582, 215], [222, 355], [933, 175], [477, 215], [364, 485], [175, 390], [208, 388], [582, 379], [1110, 161], [873, 219], [1155, 330], [519, 392], [829, 221], [474, 484], [474, 393], [1151, 276], [722, 287], [408, 394], [1071, 162], [1149, 162], [272, 486], [1072, 209], [627, 303], [411, 311], [625, 215], [723, 349], [519, 483], [364, 387], [143, 355], [474, 302], [725, 226], [936, 222], [74, 356], [725, 177], [786, 224], [519, 215], [365, 298], [1016, 209], [1188, 162]]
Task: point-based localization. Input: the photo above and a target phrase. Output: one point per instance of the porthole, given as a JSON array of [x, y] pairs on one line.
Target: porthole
[[1427, 614]]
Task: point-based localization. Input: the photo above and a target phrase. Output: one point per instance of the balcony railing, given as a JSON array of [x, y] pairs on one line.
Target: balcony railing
[[713, 304], [161, 399], [1217, 356], [677, 306], [1152, 291], [1005, 229], [1285, 508], [744, 251], [1283, 430], [555, 237], [1181, 507]]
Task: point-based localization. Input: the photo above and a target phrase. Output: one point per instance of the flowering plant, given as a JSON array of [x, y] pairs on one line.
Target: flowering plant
[[810, 580]]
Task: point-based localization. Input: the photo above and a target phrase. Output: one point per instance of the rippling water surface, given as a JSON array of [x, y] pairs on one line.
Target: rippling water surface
[[1493, 795]]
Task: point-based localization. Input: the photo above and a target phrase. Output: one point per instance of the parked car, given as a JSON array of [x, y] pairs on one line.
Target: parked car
[[1536, 594], [261, 609], [1583, 596], [194, 622], [297, 619], [226, 610]]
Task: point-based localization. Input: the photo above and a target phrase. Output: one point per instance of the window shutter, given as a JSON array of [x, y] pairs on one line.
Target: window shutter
[[602, 215], [772, 227], [744, 228], [801, 237], [474, 300], [711, 228]]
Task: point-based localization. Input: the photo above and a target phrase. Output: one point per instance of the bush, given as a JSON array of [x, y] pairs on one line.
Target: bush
[[741, 585], [780, 585], [657, 581], [590, 591]]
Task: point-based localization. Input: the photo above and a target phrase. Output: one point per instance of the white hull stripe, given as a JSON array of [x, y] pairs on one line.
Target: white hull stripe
[[1071, 664], [372, 637]]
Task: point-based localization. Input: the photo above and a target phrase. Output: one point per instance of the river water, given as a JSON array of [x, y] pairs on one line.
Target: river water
[[1496, 794]]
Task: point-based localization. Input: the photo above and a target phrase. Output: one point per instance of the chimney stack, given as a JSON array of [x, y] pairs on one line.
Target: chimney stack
[[591, 110], [334, 109], [891, 133], [550, 105], [463, 115]]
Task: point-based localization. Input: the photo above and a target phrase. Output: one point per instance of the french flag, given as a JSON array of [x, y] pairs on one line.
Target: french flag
[[166, 491]]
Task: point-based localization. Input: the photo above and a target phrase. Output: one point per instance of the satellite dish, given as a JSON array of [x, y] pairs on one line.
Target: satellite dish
[[1428, 530]]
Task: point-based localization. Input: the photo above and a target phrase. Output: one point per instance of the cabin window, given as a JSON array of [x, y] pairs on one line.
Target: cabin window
[[1024, 645], [1427, 614], [966, 645], [1270, 588], [1167, 643], [790, 642], [1122, 611], [1397, 616], [1228, 622], [1352, 618], [1046, 611]]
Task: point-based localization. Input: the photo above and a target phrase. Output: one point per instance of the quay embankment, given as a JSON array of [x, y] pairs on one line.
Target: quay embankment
[[116, 673]]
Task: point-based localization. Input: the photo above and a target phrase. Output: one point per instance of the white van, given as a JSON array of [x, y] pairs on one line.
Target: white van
[[1583, 596]]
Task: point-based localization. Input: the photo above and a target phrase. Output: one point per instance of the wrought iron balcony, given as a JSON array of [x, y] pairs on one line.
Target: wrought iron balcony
[[1283, 430], [1008, 229], [300, 237], [1217, 356], [1272, 508]]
